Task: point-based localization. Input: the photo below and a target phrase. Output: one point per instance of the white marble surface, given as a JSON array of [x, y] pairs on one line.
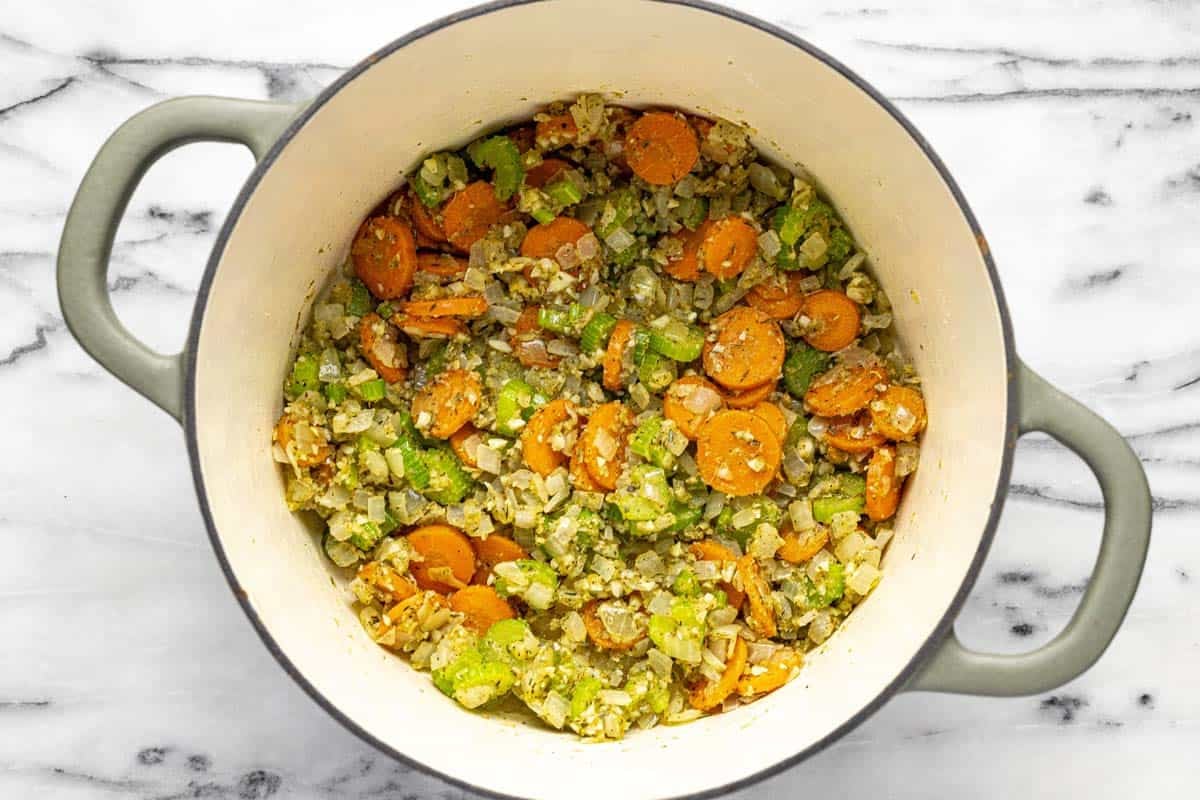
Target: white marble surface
[[127, 669]]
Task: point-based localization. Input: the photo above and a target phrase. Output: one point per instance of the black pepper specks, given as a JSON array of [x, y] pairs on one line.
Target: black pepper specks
[[1063, 706]]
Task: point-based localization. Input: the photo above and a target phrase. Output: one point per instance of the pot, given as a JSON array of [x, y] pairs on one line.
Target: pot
[[323, 165]]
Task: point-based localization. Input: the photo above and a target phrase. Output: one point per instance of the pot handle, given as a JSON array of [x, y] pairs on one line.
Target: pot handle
[[91, 226], [1126, 537]]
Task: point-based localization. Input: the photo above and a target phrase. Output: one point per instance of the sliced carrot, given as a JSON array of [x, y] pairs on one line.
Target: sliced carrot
[[687, 266], [690, 401], [835, 317], [728, 246], [543, 241], [709, 550], [853, 434], [581, 479], [779, 297], [555, 130], [448, 402], [774, 417], [537, 445], [883, 487], [737, 453], [545, 172], [661, 148], [800, 547], [430, 327], [377, 340], [309, 455], [463, 443], [469, 214], [443, 265], [424, 221], [446, 562], [749, 398], [529, 342], [779, 668], [899, 413], [604, 443], [744, 348], [493, 550], [599, 634], [760, 614], [481, 607], [614, 357], [410, 607], [707, 695], [844, 389], [469, 306], [385, 256], [387, 580]]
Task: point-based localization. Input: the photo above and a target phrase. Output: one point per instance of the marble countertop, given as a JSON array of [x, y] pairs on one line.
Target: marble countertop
[[128, 671]]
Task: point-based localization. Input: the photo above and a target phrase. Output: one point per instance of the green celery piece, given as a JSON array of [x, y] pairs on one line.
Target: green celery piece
[[635, 506], [693, 211], [305, 375], [336, 392], [787, 260], [415, 470], [436, 362], [430, 196], [625, 205], [517, 399], [501, 155], [366, 536], [789, 223], [829, 589], [596, 332], [507, 631], [677, 340], [840, 244], [543, 215], [656, 372], [360, 300], [448, 481], [685, 516], [586, 690], [802, 364], [850, 484], [554, 319], [564, 192], [686, 585], [823, 508], [385, 309], [768, 512], [372, 391], [647, 442]]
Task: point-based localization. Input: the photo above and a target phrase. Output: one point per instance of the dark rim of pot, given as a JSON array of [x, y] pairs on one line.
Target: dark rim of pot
[[930, 645]]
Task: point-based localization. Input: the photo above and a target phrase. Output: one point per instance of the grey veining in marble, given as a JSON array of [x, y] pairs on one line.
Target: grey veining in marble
[[127, 669]]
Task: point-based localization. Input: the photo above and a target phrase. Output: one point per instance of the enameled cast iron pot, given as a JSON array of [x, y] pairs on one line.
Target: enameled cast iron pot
[[322, 165]]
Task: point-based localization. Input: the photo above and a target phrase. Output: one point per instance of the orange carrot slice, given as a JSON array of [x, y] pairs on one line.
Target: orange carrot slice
[[729, 245], [387, 580], [690, 401], [707, 695], [760, 614], [581, 479], [446, 562], [853, 434], [800, 547], [744, 348], [661, 148], [844, 389], [463, 443], [493, 550], [687, 266], [749, 398], [737, 453], [779, 669], [614, 357], [774, 417], [556, 130], [537, 440], [529, 341], [308, 456], [481, 607], [377, 340], [443, 265], [836, 319], [599, 634], [469, 306], [430, 327], [779, 297], [384, 254], [883, 487], [469, 214], [424, 221], [709, 550], [604, 443], [545, 172], [543, 241], [447, 402], [899, 413]]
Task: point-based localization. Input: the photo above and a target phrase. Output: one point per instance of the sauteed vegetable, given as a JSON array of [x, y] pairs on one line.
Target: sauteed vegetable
[[606, 419]]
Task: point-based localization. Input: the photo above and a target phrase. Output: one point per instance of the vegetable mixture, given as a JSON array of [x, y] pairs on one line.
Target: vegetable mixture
[[607, 418]]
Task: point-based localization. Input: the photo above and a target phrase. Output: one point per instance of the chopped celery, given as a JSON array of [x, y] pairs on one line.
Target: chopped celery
[[677, 340], [500, 155], [542, 214], [829, 589], [680, 634], [650, 442], [787, 260], [685, 516], [840, 244], [430, 196], [436, 362], [555, 319], [360, 300], [823, 508], [532, 581], [850, 484], [647, 496], [415, 470], [515, 403], [693, 211], [656, 372], [305, 375], [365, 536], [564, 192], [789, 223], [797, 431], [803, 363], [507, 631], [620, 206], [385, 309], [448, 481], [586, 690], [596, 332], [685, 584], [372, 391], [335, 392], [641, 345], [474, 677], [749, 512]]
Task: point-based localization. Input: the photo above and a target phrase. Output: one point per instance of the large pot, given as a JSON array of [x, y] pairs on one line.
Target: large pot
[[322, 165]]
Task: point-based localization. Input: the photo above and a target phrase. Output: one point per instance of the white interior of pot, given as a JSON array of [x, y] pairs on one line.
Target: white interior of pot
[[446, 88]]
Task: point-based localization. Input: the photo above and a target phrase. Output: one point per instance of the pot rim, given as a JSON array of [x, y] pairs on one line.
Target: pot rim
[[1002, 479]]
